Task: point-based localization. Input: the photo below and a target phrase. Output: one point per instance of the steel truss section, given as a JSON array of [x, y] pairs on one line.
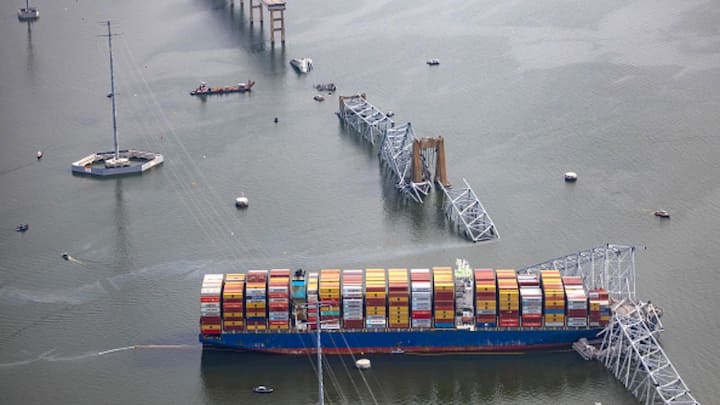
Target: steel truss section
[[466, 213], [631, 351], [611, 267], [396, 153], [366, 119]]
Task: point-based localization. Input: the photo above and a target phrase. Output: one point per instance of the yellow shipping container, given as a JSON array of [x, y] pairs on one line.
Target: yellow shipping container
[[232, 315], [444, 314], [233, 323], [210, 326]]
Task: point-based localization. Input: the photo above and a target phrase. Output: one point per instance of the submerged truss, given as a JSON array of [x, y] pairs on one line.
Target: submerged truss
[[630, 349], [409, 159], [366, 119], [466, 213], [396, 153]]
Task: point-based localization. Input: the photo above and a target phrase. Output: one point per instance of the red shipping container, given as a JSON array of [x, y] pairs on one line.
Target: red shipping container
[[421, 314], [209, 319]]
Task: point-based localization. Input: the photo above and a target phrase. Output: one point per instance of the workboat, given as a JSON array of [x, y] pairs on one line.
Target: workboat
[[28, 13], [398, 311], [433, 62], [662, 214], [22, 228], [302, 65], [261, 389], [203, 89], [329, 87]]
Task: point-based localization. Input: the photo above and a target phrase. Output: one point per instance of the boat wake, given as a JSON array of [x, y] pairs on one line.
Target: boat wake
[[50, 357]]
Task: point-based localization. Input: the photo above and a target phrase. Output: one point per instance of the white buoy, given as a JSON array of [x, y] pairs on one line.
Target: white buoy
[[362, 364], [570, 177], [241, 202]]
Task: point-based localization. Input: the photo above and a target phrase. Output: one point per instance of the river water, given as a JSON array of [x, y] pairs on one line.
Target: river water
[[622, 92]]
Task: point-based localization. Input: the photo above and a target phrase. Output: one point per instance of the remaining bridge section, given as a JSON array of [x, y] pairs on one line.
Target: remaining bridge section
[[629, 346], [416, 164], [276, 8]]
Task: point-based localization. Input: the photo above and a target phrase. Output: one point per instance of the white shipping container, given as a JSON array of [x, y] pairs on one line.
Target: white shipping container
[[554, 324], [421, 323], [577, 322]]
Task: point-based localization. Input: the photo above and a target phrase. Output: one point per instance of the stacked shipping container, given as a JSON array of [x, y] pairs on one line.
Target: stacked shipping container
[[485, 298], [279, 299], [531, 300], [352, 297], [312, 300], [256, 300], [233, 303], [375, 298], [421, 298], [398, 298], [508, 298], [444, 297], [576, 314], [599, 307], [210, 293], [298, 295], [554, 298], [330, 299]]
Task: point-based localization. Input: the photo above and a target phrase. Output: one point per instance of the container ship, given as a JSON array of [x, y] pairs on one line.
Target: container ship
[[398, 310]]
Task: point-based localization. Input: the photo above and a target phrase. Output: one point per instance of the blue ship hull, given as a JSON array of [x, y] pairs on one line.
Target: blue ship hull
[[401, 341]]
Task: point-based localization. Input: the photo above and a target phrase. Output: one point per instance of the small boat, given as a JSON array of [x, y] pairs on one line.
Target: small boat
[[28, 13], [242, 201], [329, 87], [39, 155], [570, 177], [22, 228], [261, 389], [204, 89], [363, 364], [433, 62], [319, 97], [302, 65], [662, 214], [65, 255], [389, 114]]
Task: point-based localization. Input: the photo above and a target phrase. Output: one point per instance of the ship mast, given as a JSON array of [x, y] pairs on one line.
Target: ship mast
[[112, 93]]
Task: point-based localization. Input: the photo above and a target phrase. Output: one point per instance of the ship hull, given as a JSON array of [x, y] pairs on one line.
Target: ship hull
[[400, 341]]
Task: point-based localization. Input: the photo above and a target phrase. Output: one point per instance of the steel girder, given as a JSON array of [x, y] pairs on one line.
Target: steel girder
[[631, 351], [366, 119], [396, 154], [611, 267], [465, 211]]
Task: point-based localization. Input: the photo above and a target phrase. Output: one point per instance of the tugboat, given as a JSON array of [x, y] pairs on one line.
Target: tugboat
[[662, 214], [302, 65], [261, 389], [22, 228], [28, 13], [433, 62], [204, 89]]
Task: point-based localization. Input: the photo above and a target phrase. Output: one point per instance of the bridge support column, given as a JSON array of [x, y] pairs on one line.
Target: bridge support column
[[277, 28], [254, 6]]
